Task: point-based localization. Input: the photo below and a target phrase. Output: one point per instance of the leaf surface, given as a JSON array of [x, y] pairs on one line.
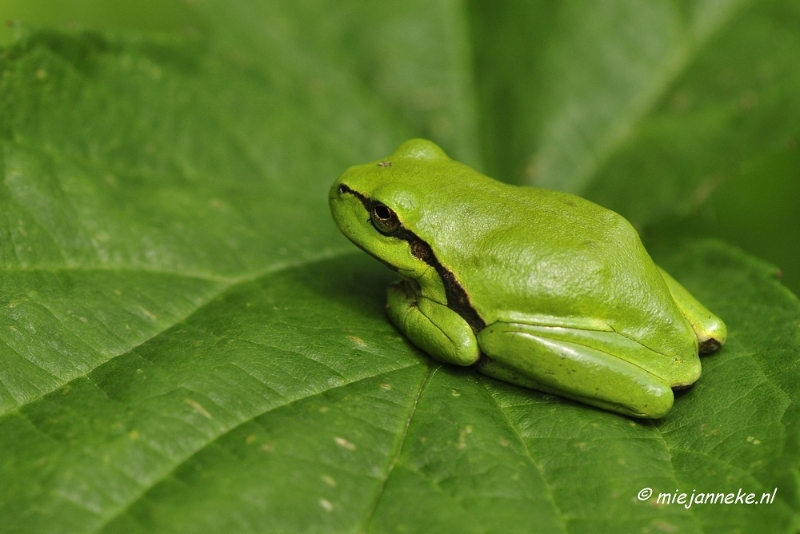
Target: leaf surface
[[187, 344]]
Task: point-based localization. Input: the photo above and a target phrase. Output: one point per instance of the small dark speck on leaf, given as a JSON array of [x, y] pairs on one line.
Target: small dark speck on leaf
[[385, 164], [779, 273]]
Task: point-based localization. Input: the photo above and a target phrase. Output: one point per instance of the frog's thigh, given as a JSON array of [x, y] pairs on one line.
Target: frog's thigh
[[711, 331], [574, 371], [434, 328]]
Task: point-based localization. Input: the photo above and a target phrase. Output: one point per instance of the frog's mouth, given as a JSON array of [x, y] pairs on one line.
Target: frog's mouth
[[395, 268]]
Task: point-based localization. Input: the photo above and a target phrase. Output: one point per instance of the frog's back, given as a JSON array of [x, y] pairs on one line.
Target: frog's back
[[542, 253]]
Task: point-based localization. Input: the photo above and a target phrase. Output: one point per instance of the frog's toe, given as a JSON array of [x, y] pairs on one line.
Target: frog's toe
[[690, 370], [712, 336], [709, 345]]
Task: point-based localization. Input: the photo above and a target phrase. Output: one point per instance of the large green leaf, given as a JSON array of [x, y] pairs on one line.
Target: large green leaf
[[188, 345]]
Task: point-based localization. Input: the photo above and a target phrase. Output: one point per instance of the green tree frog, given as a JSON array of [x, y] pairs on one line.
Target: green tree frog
[[538, 288]]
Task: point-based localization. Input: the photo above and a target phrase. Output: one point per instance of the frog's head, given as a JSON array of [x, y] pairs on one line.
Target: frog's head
[[377, 205]]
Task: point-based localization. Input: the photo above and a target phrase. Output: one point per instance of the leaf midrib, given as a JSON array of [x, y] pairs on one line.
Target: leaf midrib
[[119, 511], [537, 465], [370, 512]]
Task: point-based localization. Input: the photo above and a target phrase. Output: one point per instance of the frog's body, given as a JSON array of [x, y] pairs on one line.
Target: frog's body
[[538, 288]]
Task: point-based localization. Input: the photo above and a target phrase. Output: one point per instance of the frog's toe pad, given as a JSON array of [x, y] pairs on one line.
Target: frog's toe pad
[[709, 345]]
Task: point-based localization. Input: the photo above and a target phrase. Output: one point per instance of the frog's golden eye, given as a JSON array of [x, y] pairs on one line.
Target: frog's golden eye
[[384, 219]]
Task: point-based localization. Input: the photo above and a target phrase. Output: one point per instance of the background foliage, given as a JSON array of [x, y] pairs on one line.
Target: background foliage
[[188, 345]]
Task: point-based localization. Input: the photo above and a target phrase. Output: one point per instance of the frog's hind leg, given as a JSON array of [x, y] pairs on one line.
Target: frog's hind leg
[[711, 331], [523, 356]]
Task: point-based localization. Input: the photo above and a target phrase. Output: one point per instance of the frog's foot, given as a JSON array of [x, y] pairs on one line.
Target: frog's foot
[[431, 326], [602, 369], [709, 345], [711, 331]]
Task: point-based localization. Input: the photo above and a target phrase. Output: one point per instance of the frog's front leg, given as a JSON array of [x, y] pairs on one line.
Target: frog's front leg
[[517, 355], [431, 326]]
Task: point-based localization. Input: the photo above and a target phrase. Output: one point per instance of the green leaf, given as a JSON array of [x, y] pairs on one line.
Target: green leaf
[[187, 344]]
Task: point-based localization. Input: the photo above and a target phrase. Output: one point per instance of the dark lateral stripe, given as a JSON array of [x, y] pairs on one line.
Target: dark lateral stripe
[[457, 299], [364, 200]]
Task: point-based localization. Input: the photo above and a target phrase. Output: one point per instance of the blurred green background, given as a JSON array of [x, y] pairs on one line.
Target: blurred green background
[[756, 207]]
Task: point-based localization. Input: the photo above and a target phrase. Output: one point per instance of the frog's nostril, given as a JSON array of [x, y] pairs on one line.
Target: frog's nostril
[[342, 189]]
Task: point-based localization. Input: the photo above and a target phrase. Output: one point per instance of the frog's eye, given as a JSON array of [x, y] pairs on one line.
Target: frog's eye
[[384, 219]]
